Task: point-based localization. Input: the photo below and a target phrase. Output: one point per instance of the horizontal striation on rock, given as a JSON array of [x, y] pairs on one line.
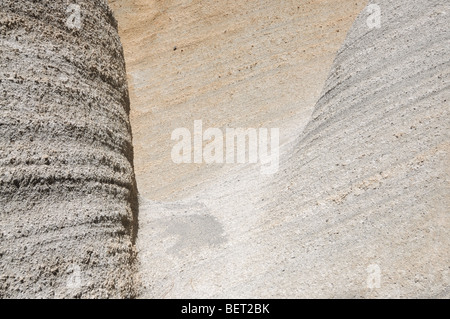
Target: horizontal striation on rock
[[67, 189], [367, 182], [247, 64]]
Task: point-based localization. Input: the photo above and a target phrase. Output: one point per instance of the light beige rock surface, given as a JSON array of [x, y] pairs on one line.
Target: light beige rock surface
[[237, 64], [361, 193]]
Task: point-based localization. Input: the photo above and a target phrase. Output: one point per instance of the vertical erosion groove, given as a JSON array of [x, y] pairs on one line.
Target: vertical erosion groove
[[68, 198]]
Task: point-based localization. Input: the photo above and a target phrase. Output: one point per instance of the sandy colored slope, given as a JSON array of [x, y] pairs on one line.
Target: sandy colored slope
[[363, 186], [252, 64], [237, 64]]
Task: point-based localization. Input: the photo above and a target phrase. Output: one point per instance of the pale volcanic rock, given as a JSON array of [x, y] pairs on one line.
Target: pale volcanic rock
[[67, 189], [359, 207], [246, 64]]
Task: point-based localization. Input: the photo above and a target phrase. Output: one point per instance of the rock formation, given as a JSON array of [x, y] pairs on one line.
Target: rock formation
[[67, 190], [237, 64], [366, 189], [358, 209]]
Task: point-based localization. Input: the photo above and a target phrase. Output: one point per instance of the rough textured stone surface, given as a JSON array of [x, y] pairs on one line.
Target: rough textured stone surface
[[363, 185], [368, 181], [67, 189]]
